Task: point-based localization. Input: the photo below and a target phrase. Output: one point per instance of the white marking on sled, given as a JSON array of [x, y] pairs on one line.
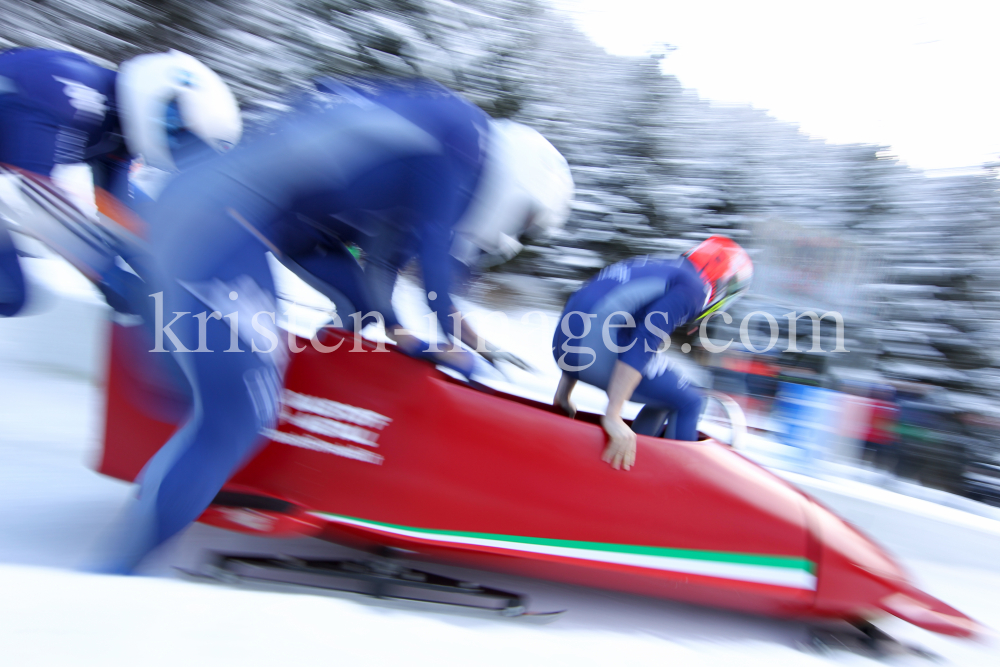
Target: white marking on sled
[[330, 428], [327, 408], [315, 444]]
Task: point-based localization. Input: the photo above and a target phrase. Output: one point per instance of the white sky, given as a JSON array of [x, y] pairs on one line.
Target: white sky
[[918, 76]]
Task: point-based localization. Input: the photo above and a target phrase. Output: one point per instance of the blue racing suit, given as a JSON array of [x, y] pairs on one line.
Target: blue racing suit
[[57, 108], [389, 242], [390, 167], [625, 314]]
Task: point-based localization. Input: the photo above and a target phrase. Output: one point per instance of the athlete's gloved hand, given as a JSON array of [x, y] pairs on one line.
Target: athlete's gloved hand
[[446, 355], [120, 289], [494, 356], [456, 359]]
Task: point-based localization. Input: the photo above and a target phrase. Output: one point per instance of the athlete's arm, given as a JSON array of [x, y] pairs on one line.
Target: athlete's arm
[[620, 451]]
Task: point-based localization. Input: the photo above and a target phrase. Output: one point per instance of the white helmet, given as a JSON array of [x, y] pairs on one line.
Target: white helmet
[[526, 183], [162, 93]]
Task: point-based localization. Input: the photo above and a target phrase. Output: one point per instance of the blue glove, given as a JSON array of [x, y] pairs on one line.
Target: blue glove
[[122, 290], [458, 360]]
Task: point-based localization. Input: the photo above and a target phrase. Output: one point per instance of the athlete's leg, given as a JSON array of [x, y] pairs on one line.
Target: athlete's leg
[[12, 290], [650, 420], [27, 140], [235, 396], [668, 396]]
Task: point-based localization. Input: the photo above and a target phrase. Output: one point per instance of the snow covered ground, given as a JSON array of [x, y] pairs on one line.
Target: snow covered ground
[[53, 508]]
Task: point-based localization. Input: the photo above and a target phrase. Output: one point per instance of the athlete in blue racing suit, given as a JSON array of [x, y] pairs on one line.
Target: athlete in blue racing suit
[[612, 329], [54, 109], [59, 108], [390, 167]]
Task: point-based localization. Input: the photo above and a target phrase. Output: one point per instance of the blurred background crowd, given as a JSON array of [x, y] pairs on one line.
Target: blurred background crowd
[[906, 259]]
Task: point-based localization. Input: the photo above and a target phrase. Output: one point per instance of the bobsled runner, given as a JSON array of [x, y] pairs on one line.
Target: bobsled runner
[[379, 451]]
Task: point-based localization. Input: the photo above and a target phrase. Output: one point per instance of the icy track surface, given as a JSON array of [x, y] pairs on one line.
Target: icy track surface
[[53, 508]]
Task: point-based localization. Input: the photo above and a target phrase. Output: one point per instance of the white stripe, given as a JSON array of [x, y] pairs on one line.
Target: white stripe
[[330, 428], [327, 408], [315, 444], [763, 574]]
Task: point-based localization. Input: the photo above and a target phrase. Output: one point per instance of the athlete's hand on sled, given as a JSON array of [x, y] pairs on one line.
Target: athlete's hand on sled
[[621, 439], [486, 349], [567, 406], [620, 451], [456, 359], [446, 354], [494, 356], [563, 392]]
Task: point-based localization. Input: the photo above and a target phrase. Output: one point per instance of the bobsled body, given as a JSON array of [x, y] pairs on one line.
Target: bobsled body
[[378, 449]]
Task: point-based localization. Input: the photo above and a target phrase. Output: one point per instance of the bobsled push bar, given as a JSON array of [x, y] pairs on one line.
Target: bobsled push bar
[[381, 577]]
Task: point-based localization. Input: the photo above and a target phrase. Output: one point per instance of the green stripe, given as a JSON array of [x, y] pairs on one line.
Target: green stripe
[[790, 562]]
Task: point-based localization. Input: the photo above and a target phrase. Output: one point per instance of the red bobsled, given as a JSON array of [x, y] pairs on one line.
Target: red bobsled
[[497, 482]]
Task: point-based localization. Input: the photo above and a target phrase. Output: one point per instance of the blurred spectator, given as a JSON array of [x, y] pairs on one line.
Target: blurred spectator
[[880, 439], [761, 382], [933, 445], [806, 417], [855, 420]]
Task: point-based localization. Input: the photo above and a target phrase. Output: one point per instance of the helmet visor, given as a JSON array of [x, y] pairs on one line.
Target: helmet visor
[[728, 294]]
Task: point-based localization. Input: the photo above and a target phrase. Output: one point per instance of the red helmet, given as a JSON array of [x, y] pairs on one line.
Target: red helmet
[[726, 269]]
